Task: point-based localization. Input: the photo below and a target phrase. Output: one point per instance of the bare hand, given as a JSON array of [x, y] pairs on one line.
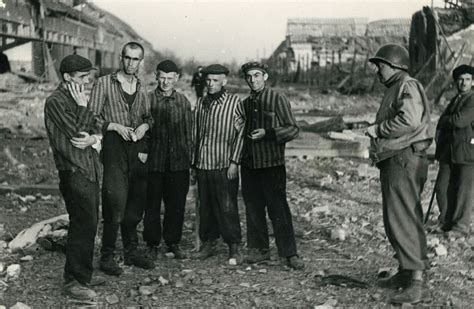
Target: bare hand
[[141, 130], [123, 131], [84, 141], [257, 134], [371, 131], [233, 171], [77, 93]]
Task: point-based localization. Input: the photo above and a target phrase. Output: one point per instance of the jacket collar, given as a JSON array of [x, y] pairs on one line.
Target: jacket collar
[[395, 78], [115, 79], [160, 95]]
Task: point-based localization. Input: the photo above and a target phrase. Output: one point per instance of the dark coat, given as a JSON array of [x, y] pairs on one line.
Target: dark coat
[[455, 137]]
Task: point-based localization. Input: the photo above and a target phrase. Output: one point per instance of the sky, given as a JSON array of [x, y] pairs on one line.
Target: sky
[[213, 31]]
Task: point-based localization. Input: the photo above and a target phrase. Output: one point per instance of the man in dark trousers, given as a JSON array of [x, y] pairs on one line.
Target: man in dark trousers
[[120, 103], [399, 139], [455, 152], [68, 125], [269, 125], [198, 82], [169, 161], [218, 139]]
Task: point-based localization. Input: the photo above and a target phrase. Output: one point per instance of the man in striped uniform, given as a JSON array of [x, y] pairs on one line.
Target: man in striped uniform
[[218, 145], [68, 125], [121, 106], [269, 125], [170, 157]]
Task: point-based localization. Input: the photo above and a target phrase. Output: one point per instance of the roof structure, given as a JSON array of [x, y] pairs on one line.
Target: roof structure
[[399, 27], [301, 29]]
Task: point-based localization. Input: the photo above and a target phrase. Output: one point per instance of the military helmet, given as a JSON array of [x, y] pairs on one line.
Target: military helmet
[[393, 55]]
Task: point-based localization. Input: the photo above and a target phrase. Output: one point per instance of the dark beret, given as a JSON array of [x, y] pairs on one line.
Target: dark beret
[[254, 65], [462, 69], [167, 66], [75, 63], [215, 69]]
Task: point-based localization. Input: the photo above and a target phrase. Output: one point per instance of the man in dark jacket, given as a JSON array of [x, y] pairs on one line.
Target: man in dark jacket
[[169, 161], [68, 124], [198, 82], [398, 142], [455, 152], [269, 125]]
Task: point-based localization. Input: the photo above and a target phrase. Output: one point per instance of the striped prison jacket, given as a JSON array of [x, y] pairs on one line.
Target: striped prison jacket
[[218, 132], [272, 112], [171, 136], [64, 119], [107, 102]]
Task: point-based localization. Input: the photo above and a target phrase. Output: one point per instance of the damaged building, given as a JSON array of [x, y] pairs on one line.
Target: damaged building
[[44, 31], [313, 43]]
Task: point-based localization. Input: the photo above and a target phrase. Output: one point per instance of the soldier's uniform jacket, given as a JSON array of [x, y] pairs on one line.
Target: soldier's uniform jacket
[[403, 118], [455, 137]]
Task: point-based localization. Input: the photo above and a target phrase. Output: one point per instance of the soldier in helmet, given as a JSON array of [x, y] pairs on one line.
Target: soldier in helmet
[[399, 139]]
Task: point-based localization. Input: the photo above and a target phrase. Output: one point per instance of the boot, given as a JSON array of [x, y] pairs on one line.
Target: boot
[[415, 292], [208, 249], [139, 260], [177, 251], [234, 253], [256, 255], [78, 291], [109, 266], [400, 280], [96, 281], [295, 262]]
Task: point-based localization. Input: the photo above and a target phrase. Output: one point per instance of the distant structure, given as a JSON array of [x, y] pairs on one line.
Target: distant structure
[[56, 28], [317, 42], [441, 39]]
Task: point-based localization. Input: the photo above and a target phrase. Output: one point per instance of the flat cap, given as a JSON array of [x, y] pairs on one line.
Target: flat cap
[[75, 63], [215, 69], [462, 69], [254, 65], [167, 66]]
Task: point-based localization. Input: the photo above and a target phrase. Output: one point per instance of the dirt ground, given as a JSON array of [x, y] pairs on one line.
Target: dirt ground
[[326, 195]]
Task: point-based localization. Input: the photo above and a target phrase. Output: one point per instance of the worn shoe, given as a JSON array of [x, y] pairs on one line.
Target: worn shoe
[[78, 291], [256, 255], [454, 234], [414, 293], [110, 267], [234, 253], [295, 262], [208, 249], [96, 281], [138, 260], [153, 252], [177, 251], [400, 280]]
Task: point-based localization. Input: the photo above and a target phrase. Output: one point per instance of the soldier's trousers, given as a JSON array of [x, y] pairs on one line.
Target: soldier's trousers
[[402, 178], [455, 196]]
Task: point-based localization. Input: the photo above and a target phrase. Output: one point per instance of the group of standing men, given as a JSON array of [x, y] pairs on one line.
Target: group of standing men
[[147, 143]]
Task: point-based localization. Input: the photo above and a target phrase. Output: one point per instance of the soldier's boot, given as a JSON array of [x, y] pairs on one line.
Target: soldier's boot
[[400, 280], [414, 293]]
